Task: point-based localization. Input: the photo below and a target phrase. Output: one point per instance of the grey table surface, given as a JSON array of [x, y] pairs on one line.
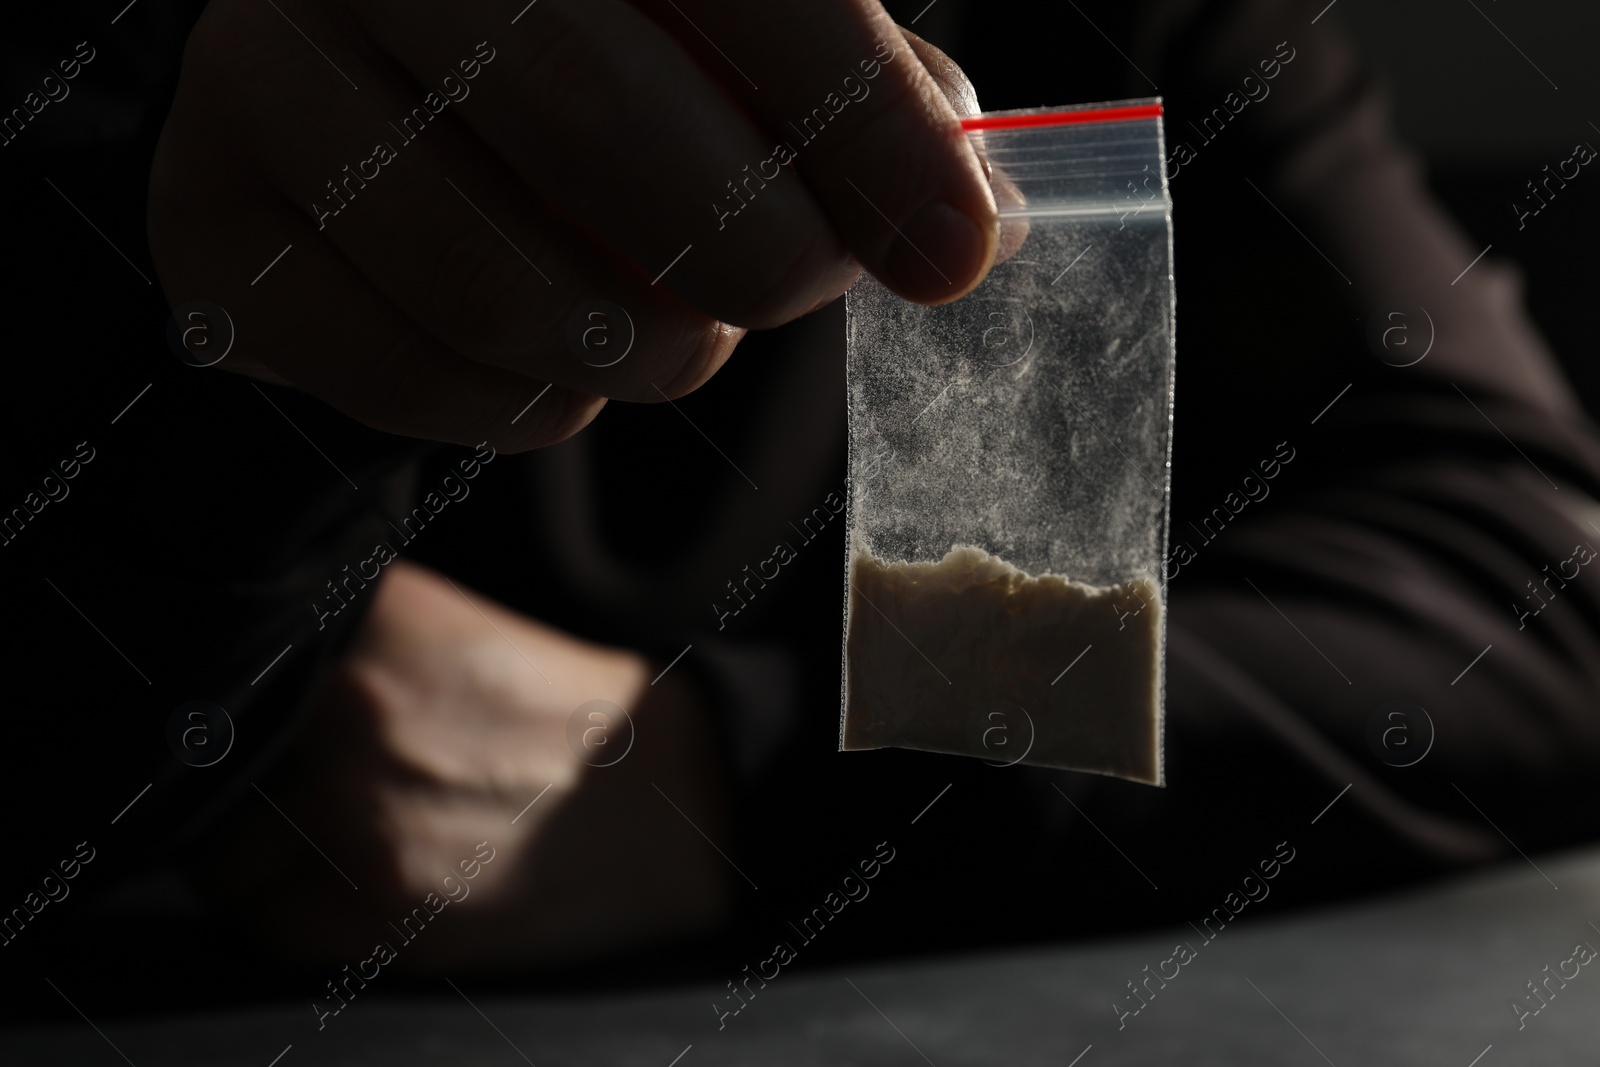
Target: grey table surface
[[1425, 977]]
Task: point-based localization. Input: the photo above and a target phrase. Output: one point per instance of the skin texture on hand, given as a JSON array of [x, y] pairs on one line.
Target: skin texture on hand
[[451, 191], [449, 715]]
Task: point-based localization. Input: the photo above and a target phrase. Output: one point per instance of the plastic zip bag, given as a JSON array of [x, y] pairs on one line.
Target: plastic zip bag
[[1009, 467]]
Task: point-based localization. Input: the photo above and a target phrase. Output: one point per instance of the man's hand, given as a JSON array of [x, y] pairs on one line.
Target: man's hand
[[449, 724], [455, 189]]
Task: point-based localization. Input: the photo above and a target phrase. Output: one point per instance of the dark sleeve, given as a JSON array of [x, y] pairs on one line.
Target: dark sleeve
[[1421, 560], [167, 533]]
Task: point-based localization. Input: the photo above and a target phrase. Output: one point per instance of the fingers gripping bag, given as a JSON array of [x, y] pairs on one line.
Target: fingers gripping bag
[[1009, 467]]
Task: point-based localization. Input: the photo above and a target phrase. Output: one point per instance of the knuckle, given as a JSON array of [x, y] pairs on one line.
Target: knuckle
[[767, 289], [577, 411], [666, 347], [888, 126], [701, 352], [406, 399], [484, 296], [906, 159], [387, 401], [379, 710]]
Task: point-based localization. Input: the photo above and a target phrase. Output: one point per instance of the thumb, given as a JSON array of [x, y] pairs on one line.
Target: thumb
[[963, 98]]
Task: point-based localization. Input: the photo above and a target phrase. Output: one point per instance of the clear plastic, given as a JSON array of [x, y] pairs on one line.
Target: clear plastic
[[1009, 467]]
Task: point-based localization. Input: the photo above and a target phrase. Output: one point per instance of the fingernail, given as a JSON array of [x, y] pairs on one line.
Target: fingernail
[[938, 254]]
